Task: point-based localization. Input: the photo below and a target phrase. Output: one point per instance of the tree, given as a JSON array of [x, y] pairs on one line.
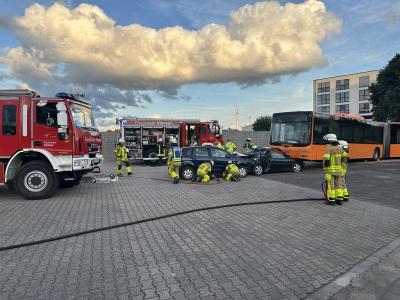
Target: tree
[[262, 123], [385, 93]]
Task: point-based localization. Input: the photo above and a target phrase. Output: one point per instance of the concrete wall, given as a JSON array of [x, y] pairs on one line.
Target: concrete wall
[[109, 140], [258, 138]]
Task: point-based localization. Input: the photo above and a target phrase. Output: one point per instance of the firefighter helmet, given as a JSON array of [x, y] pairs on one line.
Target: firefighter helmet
[[344, 145], [330, 137]]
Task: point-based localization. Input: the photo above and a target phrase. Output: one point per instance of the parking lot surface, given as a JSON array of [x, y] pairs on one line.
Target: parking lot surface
[[278, 250]]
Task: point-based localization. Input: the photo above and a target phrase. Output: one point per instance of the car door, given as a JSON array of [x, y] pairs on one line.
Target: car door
[[279, 161], [200, 155], [220, 158]]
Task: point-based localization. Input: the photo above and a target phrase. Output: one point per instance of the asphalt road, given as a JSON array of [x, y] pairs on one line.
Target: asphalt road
[[377, 182]]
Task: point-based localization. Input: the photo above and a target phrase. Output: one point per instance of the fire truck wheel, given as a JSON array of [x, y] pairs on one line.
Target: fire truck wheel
[[151, 154], [36, 180]]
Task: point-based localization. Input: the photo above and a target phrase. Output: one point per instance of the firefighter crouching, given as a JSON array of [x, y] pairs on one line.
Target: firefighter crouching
[[345, 161], [231, 172], [121, 155], [219, 145], [204, 172], [174, 160], [332, 165]]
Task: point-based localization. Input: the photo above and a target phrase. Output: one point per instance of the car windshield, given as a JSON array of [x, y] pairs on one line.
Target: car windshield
[[82, 116], [291, 129]]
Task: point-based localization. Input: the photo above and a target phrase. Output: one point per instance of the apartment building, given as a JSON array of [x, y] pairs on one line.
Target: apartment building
[[344, 94]]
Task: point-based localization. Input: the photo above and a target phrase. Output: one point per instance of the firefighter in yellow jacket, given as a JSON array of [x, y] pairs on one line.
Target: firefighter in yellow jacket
[[121, 155], [345, 160], [332, 165], [204, 172], [231, 172], [174, 160]]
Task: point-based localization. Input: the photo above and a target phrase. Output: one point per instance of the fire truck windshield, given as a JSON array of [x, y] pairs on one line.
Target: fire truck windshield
[[214, 129], [83, 116]]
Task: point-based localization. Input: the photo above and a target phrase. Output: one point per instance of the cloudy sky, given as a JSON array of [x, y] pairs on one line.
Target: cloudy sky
[[190, 58]]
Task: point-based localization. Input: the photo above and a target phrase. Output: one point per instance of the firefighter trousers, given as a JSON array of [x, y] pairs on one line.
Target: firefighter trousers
[[202, 176], [173, 171], [231, 176], [127, 165], [334, 187], [344, 188]]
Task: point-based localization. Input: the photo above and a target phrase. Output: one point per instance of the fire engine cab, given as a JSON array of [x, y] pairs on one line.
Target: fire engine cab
[[46, 142]]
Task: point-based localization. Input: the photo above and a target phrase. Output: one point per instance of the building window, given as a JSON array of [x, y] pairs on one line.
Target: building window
[[364, 108], [324, 87], [363, 81], [364, 95], [342, 84], [344, 108], [323, 109], [342, 97], [9, 119], [323, 99]]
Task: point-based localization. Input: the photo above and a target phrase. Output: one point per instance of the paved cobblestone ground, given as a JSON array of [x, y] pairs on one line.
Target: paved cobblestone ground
[[276, 251], [133, 198]]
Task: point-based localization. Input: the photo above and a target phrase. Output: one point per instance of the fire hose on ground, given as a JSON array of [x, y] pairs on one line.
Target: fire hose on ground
[[76, 234]]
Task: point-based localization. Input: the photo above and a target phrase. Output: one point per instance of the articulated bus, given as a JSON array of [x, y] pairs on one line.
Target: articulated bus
[[300, 135]]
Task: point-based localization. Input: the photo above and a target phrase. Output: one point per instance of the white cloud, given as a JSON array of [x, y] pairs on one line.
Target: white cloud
[[261, 41], [84, 50]]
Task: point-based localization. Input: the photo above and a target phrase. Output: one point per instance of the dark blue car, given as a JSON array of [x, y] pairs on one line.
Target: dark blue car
[[192, 157]]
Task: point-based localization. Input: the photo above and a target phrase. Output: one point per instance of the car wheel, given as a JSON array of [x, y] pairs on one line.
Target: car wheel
[[297, 167], [376, 154], [187, 173], [258, 169], [36, 180], [242, 171]]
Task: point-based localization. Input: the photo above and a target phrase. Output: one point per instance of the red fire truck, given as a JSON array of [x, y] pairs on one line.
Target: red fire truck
[[46, 142], [141, 134]]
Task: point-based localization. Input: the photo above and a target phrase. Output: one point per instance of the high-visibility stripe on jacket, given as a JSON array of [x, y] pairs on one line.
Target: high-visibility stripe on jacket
[[204, 168], [333, 159], [345, 161], [230, 147], [232, 168], [174, 156], [121, 153]]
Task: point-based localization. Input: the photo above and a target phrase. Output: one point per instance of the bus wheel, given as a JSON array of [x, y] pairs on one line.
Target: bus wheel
[[376, 154], [36, 180]]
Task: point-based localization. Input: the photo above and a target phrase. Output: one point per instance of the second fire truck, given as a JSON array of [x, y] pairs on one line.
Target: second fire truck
[[142, 134]]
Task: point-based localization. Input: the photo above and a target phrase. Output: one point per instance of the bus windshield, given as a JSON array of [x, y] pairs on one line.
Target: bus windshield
[[291, 128], [82, 116]]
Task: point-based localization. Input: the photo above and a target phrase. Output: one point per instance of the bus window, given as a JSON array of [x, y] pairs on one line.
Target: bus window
[[321, 128], [291, 129], [395, 133], [377, 135], [346, 131], [358, 133], [368, 134]]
